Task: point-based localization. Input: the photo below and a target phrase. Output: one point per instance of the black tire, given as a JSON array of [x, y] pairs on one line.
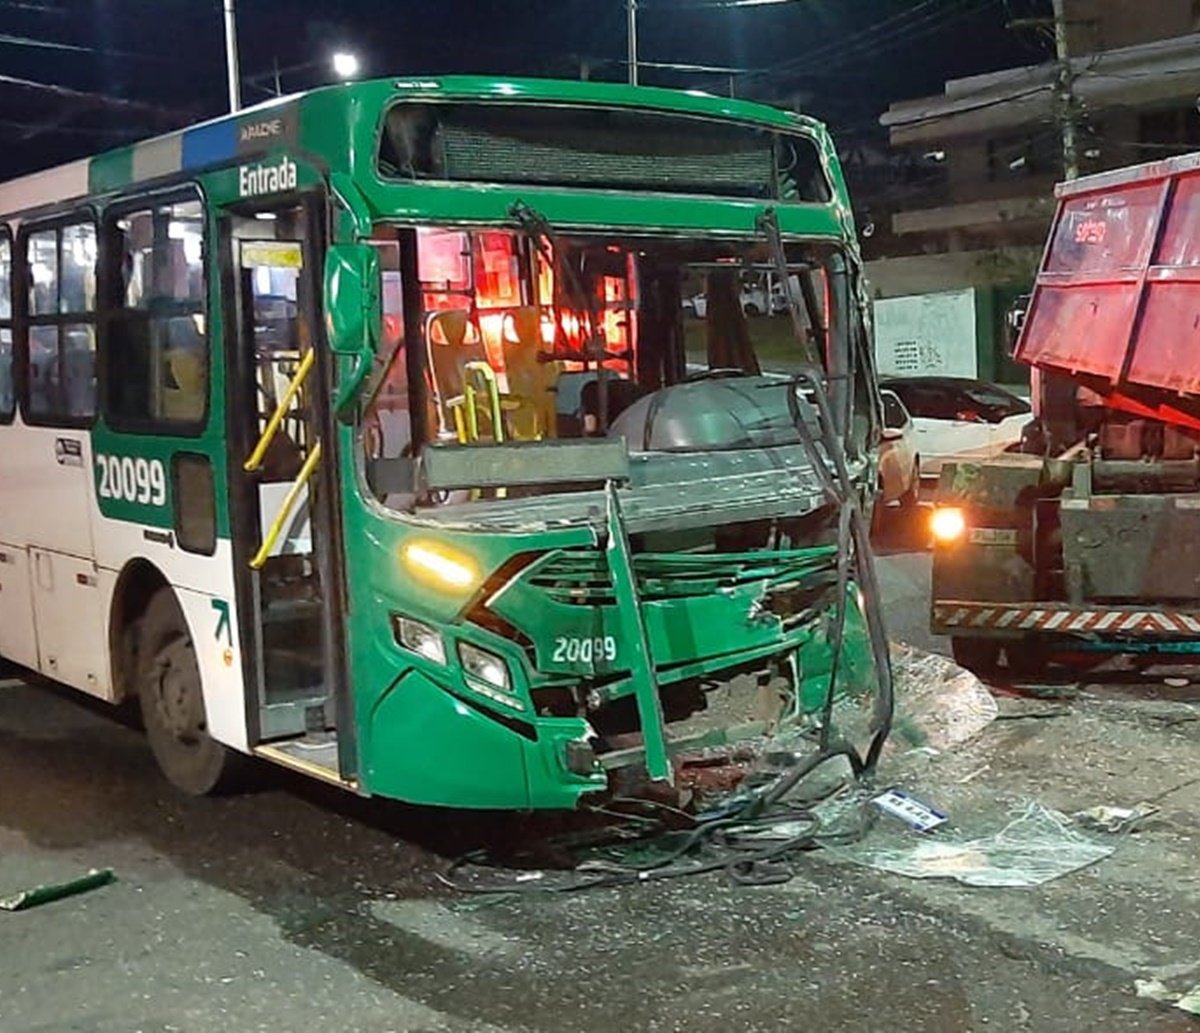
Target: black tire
[[751, 309], [172, 703], [978, 655], [1026, 659]]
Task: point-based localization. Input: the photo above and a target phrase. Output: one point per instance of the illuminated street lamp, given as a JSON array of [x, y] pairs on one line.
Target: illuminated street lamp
[[345, 64]]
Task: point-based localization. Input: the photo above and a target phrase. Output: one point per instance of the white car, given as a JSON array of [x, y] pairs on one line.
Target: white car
[[754, 303], [959, 418], [899, 462]]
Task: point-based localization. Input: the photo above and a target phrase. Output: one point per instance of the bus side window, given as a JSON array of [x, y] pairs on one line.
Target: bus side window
[[7, 394], [156, 352], [62, 324], [387, 419]]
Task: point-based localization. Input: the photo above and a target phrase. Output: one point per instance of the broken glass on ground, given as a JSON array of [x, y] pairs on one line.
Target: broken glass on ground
[[1033, 845], [1106, 818], [1157, 990], [939, 705]]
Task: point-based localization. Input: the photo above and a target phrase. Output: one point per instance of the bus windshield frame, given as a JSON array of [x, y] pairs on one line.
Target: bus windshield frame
[[683, 323]]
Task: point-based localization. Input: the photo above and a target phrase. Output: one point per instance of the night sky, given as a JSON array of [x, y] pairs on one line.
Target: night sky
[[147, 66]]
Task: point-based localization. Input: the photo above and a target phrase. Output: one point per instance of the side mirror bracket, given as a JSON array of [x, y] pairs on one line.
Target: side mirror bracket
[[352, 316]]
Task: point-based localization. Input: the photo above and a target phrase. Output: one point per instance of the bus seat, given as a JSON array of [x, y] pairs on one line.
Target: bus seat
[[530, 380], [185, 401], [453, 339], [185, 360], [622, 394], [79, 372], [43, 380]]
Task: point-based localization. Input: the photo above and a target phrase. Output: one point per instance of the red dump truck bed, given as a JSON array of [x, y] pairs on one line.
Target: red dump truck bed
[[1117, 301]]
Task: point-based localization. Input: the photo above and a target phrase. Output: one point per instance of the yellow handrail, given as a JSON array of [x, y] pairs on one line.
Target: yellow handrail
[[289, 500], [272, 427], [485, 371]]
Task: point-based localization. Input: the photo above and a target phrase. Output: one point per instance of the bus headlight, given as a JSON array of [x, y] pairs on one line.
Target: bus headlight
[[420, 638], [488, 675], [484, 666], [440, 565], [947, 525]]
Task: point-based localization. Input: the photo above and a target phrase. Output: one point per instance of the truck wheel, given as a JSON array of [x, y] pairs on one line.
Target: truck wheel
[[979, 655], [1025, 659], [172, 702]]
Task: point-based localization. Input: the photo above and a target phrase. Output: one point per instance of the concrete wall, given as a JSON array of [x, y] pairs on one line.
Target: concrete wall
[[998, 277], [1094, 25], [926, 274]]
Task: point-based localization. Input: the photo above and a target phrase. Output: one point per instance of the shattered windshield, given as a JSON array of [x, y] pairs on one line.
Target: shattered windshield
[[670, 345]]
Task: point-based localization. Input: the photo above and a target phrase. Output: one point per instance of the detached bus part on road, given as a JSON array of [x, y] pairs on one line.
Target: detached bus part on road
[[1093, 544], [357, 432]]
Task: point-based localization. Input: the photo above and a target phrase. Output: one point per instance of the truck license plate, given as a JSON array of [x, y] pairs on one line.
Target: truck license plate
[[992, 536]]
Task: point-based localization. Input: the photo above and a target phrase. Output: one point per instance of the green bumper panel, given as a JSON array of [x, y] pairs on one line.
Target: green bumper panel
[[425, 745]]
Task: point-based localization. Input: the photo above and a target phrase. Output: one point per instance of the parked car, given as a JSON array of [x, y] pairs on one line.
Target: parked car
[[899, 464], [754, 303], [762, 298], [956, 417]]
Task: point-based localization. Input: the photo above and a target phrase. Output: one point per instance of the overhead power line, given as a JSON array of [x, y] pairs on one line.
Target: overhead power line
[[68, 93], [32, 129], [855, 38], [17, 5], [920, 20], [701, 5], [46, 44]]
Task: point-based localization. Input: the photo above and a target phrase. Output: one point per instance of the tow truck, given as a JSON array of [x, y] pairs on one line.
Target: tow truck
[[1088, 541]]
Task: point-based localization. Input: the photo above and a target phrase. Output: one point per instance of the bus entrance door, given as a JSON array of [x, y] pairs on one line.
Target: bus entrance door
[[279, 496]]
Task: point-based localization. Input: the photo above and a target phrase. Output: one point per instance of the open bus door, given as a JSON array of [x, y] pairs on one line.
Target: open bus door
[[283, 492]]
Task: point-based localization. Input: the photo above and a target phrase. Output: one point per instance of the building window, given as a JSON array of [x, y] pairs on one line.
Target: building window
[[61, 385], [156, 351], [7, 393], [1015, 157], [1162, 134]]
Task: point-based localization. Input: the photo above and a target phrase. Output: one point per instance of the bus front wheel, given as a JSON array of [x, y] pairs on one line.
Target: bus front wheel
[[172, 702]]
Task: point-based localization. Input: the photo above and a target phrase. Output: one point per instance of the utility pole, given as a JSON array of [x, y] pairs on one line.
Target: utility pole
[[231, 57], [631, 16], [1065, 94]]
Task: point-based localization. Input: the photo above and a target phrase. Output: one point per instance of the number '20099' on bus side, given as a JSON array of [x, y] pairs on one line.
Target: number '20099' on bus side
[[126, 479]]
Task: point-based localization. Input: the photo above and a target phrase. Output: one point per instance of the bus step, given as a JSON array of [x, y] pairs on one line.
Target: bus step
[[289, 718], [314, 755], [287, 611]]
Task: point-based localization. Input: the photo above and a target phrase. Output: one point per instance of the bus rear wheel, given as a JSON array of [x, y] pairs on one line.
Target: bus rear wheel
[[172, 702]]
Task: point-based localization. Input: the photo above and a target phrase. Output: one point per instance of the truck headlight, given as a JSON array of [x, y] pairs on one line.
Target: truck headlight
[[947, 525], [420, 638]]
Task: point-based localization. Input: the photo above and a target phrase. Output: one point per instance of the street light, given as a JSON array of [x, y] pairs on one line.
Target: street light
[[345, 64], [231, 56]]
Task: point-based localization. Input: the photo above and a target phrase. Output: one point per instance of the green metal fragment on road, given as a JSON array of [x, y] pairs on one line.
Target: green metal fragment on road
[[57, 890]]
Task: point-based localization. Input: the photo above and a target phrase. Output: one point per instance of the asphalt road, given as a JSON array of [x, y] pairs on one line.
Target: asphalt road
[[297, 907]]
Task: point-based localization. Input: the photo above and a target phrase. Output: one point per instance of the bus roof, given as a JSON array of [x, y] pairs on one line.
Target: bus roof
[[215, 142]]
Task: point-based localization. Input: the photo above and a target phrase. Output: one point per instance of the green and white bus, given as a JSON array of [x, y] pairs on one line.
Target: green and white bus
[[369, 432]]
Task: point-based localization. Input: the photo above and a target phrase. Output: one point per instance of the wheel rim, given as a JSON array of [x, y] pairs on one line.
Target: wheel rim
[[177, 704]]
